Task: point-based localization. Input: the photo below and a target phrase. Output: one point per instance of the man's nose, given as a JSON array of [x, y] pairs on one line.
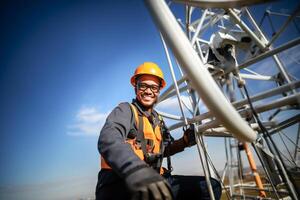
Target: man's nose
[[148, 90]]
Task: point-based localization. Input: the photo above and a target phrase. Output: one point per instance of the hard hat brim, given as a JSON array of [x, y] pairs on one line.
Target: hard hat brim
[[133, 80]]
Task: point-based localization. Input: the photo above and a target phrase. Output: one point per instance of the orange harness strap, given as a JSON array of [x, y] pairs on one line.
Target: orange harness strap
[[149, 133]]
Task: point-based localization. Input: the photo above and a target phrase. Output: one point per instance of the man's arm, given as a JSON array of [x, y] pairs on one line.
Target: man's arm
[[176, 146], [112, 141], [171, 146]]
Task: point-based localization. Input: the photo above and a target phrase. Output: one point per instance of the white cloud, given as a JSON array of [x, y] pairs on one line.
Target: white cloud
[[89, 115], [172, 104], [89, 121]]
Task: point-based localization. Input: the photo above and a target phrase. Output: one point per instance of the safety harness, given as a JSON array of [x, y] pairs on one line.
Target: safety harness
[[149, 137], [146, 139]]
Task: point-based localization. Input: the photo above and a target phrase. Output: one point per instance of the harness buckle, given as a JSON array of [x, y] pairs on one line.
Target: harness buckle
[[152, 158]]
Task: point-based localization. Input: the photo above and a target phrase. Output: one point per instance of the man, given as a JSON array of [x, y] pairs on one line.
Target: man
[[133, 142]]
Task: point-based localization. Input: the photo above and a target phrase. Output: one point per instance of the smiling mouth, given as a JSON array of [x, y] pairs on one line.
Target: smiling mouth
[[146, 97]]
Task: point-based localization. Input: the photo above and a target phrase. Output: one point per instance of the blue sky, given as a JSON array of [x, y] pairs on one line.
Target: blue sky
[[64, 66]]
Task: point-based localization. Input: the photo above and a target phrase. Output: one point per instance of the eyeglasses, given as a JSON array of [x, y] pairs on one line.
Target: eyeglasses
[[144, 87]]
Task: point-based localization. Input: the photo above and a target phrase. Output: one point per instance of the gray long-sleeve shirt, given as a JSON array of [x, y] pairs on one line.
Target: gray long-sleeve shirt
[[114, 149]]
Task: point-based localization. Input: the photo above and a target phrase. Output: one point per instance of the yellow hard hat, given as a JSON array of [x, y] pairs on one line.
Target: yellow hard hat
[[150, 69]]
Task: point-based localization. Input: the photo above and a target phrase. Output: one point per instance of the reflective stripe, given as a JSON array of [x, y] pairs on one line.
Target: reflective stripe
[[135, 113]]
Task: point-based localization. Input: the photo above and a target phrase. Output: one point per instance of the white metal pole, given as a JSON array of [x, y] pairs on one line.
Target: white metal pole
[[199, 76]]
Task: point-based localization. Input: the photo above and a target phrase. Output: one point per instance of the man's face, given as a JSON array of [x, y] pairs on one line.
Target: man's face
[[147, 90]]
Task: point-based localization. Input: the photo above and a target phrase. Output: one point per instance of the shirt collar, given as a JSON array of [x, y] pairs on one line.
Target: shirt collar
[[152, 117], [142, 108]]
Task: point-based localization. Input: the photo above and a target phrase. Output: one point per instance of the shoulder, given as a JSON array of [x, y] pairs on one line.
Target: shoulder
[[124, 106], [122, 110]]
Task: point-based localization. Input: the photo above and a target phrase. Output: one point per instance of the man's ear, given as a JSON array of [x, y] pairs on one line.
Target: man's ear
[[135, 85], [135, 90]]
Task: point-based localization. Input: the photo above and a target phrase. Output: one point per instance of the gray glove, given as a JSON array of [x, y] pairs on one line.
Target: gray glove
[[147, 184]]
